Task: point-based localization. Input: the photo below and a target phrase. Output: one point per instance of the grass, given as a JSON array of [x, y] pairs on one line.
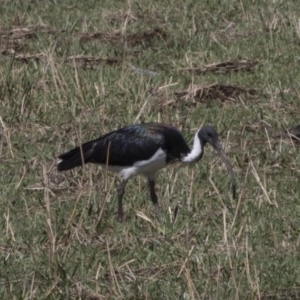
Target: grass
[[72, 71]]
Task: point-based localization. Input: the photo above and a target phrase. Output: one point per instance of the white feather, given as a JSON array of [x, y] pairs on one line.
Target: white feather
[[147, 168], [196, 151]]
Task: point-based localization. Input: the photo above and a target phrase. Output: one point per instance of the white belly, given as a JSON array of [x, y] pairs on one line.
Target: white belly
[[147, 168]]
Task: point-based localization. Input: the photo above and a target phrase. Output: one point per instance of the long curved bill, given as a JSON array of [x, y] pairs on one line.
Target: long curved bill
[[217, 146]]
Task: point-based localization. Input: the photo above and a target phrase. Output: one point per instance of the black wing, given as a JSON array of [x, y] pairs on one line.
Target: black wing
[[124, 149], [128, 145]]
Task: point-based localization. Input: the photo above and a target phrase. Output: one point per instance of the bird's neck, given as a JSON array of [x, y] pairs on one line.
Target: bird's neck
[[197, 150]]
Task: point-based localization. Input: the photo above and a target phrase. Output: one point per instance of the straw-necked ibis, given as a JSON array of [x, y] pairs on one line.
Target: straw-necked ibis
[[142, 149]]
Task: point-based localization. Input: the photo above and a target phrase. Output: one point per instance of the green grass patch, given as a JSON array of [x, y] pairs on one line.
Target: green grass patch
[[73, 71]]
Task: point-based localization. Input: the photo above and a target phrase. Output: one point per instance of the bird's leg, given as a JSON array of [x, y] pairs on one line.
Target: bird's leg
[[121, 191], [154, 198]]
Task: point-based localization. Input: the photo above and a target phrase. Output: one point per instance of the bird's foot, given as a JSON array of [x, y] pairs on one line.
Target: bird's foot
[[120, 217], [158, 212]]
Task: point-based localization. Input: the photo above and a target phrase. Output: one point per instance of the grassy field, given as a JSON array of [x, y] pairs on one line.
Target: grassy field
[[73, 70]]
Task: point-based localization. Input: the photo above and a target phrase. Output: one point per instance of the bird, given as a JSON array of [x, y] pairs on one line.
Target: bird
[[143, 149]]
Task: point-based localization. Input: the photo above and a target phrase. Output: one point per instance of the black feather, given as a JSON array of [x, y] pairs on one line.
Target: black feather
[[73, 158], [128, 145]]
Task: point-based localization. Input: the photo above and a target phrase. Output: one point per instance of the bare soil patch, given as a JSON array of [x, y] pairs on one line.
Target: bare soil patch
[[223, 92], [224, 67], [135, 39]]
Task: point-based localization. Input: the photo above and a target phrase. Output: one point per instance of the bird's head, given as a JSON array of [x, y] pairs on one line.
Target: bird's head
[[208, 134]]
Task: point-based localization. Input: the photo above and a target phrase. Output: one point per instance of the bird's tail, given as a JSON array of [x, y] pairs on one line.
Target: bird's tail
[[76, 157]]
